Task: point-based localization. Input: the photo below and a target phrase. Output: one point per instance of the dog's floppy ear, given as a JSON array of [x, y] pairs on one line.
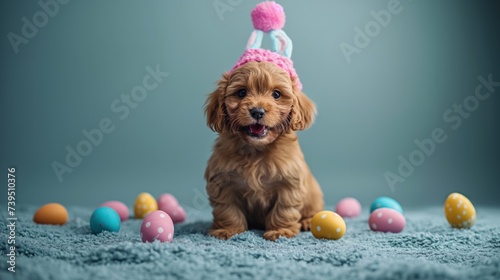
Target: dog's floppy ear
[[303, 111], [214, 106]]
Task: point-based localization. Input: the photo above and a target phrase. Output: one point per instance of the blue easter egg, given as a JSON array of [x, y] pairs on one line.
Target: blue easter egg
[[104, 219], [385, 202]]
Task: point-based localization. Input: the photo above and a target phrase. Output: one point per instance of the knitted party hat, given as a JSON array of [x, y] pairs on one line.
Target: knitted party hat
[[268, 19]]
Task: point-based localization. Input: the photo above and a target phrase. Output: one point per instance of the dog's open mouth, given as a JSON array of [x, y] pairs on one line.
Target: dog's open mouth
[[257, 130]]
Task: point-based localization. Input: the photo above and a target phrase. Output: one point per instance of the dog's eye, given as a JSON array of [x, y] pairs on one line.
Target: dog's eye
[[276, 94], [241, 93]]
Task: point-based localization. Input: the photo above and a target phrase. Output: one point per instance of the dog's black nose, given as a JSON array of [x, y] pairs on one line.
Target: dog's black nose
[[257, 113]]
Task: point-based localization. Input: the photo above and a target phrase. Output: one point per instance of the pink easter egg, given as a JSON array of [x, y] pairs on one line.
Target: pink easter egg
[[348, 208], [386, 220], [178, 215], [157, 225], [119, 207], [168, 203]]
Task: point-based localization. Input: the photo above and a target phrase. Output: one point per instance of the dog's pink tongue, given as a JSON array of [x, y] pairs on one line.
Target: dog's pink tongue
[[257, 129]]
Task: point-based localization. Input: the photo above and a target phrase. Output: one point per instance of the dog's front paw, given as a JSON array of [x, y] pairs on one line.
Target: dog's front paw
[[277, 233], [305, 224], [223, 233]]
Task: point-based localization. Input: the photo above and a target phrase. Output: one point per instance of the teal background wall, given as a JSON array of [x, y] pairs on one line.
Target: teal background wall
[[394, 90]]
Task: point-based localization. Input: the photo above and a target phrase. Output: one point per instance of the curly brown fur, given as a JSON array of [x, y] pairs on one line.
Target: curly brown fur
[[257, 176]]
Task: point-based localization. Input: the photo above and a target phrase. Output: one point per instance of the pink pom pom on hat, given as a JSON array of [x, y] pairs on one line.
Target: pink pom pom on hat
[[268, 18]]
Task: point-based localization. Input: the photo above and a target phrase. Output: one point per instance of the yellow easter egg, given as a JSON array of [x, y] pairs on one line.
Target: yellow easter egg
[[459, 211], [328, 225], [144, 204]]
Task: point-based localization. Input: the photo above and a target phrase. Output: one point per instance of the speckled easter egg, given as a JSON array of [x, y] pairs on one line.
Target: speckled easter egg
[[170, 205], [104, 219], [387, 220], [157, 225], [144, 204], [51, 214], [348, 208], [327, 225], [459, 211], [119, 207], [385, 202]]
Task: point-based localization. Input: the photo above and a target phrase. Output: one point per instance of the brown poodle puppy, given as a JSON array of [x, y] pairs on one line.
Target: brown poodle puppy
[[257, 176]]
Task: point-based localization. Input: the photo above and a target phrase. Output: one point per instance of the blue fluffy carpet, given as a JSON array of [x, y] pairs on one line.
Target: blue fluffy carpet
[[427, 249]]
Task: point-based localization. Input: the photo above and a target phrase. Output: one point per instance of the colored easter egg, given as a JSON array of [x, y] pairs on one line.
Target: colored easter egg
[[168, 204], [119, 207], [459, 211], [385, 202], [167, 199], [51, 214], [386, 220], [157, 225], [104, 219], [327, 225], [178, 215], [348, 208], [144, 204]]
